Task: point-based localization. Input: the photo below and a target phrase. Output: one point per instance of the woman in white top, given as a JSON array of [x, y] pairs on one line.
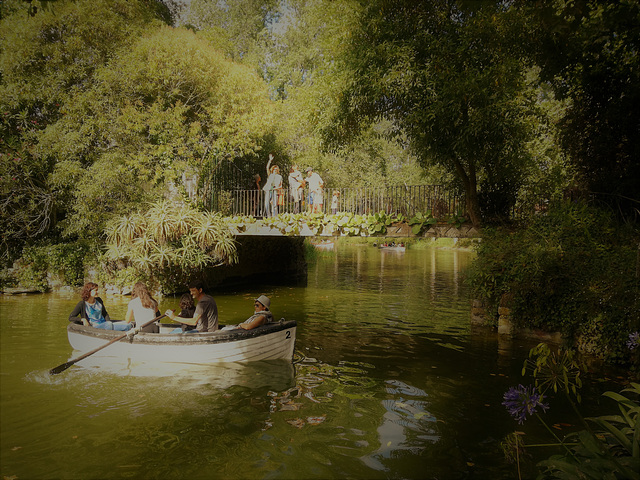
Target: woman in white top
[[273, 188], [142, 307], [296, 186]]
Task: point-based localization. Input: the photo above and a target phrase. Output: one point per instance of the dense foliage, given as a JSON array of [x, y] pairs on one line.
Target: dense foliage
[[587, 51], [295, 46], [450, 75], [41, 266], [45, 61], [166, 241], [105, 108], [572, 270]]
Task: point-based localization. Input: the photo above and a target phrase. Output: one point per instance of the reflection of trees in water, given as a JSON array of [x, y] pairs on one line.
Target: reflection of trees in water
[[417, 288], [346, 399]]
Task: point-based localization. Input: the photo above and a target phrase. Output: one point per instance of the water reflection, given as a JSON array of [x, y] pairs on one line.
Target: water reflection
[[389, 382], [406, 424], [274, 374]]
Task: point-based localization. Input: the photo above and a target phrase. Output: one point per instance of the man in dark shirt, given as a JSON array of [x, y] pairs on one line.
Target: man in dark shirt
[[205, 317]]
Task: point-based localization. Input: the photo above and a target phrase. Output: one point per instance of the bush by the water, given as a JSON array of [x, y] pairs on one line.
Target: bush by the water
[[42, 265], [572, 269]]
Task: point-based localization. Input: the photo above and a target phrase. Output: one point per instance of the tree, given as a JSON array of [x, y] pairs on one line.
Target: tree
[[294, 46], [45, 59], [588, 53], [448, 74], [166, 104], [235, 28]]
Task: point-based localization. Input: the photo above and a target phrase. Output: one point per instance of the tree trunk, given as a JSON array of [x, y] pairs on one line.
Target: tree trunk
[[473, 207], [469, 181]]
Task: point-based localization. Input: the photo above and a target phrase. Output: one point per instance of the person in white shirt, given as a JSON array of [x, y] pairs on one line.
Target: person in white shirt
[[272, 189], [316, 190], [296, 187], [142, 308]]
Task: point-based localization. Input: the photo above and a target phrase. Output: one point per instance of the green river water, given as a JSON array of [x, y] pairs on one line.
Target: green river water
[[389, 381]]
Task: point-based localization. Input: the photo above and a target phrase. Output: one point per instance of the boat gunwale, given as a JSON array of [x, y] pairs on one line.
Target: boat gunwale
[[207, 338]]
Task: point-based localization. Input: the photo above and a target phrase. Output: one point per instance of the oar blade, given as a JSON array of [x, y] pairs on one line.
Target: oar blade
[[60, 368]]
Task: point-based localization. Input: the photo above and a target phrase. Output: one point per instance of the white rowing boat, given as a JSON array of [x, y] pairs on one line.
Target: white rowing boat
[[267, 342], [323, 245], [392, 248]]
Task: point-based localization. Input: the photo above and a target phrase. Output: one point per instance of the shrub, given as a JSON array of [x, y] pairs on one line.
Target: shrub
[[40, 264], [571, 270]]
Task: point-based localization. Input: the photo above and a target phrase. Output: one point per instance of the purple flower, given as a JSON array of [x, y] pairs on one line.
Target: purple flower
[[634, 340], [522, 401]]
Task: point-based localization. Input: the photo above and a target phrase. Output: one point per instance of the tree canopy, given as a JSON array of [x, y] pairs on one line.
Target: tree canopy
[[45, 60], [449, 75], [587, 51], [104, 105]]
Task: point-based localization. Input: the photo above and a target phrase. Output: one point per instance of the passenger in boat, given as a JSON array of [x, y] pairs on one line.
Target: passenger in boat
[[205, 317], [142, 308], [187, 309], [261, 315], [92, 311]]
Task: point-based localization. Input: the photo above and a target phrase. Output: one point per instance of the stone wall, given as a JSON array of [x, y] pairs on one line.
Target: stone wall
[[506, 327]]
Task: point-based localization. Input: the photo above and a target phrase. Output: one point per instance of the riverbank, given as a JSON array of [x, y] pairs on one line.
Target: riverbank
[[413, 243]]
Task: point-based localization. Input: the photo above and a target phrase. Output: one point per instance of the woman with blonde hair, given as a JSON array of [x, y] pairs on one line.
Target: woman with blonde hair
[[143, 307]]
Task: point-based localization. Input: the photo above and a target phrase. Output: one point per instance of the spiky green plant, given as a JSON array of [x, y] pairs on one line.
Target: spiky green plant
[[170, 237]]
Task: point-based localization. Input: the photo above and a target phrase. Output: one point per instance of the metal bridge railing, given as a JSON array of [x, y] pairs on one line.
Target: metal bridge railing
[[405, 200]]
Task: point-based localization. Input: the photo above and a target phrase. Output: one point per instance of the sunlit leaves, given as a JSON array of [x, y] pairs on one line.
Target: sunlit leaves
[[207, 229], [144, 114], [450, 77], [170, 235]]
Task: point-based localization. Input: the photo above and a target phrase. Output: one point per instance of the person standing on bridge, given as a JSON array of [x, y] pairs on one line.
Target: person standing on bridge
[[316, 190], [255, 195], [296, 188], [273, 188], [335, 202]]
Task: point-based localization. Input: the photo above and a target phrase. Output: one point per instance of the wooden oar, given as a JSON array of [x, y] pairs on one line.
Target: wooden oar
[[64, 366]]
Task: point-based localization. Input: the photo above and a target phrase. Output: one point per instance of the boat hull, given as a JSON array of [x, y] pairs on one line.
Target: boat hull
[[268, 342], [392, 249]]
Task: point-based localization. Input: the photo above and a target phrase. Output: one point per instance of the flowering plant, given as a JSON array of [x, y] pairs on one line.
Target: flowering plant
[[521, 401]]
